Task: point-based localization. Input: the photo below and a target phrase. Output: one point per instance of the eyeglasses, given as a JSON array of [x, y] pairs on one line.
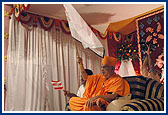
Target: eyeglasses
[[105, 67]]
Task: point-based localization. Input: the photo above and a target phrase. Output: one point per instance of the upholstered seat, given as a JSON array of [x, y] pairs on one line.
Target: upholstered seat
[[149, 94]]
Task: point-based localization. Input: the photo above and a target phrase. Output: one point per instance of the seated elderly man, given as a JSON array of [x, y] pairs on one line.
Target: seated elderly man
[[100, 89]]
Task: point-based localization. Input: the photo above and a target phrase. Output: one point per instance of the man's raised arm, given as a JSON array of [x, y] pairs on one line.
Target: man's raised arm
[[84, 74]]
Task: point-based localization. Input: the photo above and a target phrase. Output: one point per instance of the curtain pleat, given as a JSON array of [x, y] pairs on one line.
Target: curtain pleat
[[35, 58]]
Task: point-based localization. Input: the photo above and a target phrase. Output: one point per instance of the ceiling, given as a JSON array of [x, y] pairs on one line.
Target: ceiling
[[99, 15]]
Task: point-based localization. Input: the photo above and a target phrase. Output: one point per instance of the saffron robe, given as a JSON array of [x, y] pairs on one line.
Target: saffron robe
[[98, 85]]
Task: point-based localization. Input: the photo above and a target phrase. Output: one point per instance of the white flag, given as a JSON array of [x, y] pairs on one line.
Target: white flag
[[81, 31]]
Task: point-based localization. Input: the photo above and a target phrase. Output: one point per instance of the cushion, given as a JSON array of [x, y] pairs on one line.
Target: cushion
[[115, 105], [137, 86], [154, 89], [154, 104]]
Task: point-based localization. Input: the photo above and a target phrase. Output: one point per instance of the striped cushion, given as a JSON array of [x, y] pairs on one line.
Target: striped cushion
[[154, 89], [153, 104], [137, 86]]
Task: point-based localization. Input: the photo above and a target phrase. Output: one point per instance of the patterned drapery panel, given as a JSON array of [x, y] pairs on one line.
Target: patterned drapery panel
[[150, 30]]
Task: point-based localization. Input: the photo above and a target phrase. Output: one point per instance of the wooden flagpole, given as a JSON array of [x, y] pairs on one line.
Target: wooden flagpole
[[77, 53]]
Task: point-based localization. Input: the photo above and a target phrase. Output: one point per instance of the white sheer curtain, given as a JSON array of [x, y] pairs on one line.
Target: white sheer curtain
[[35, 57]]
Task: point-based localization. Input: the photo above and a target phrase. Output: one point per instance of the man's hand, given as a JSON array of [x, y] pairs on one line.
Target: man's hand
[[148, 51], [84, 74], [98, 103], [68, 94], [91, 101], [79, 60]]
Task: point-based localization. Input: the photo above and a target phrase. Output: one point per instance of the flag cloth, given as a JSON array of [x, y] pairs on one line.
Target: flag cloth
[[81, 31], [57, 84]]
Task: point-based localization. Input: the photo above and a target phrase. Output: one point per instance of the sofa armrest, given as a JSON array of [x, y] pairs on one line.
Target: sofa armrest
[[154, 104]]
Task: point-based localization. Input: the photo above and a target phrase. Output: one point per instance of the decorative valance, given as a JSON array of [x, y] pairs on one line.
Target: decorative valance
[[45, 22], [18, 9], [65, 27]]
